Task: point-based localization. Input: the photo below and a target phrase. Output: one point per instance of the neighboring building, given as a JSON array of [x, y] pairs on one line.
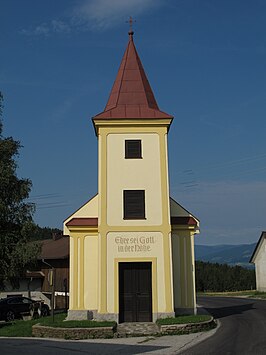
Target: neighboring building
[[55, 252], [131, 246], [259, 259], [35, 284]]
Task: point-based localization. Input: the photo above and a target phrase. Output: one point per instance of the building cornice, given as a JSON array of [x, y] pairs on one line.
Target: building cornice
[[130, 123]]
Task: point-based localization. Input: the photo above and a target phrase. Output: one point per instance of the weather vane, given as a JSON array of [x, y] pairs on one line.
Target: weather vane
[[130, 21]]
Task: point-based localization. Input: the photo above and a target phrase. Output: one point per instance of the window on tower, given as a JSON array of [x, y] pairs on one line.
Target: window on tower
[[133, 149], [134, 204]]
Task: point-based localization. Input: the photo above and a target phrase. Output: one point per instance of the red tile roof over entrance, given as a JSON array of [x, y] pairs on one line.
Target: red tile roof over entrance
[[131, 95]]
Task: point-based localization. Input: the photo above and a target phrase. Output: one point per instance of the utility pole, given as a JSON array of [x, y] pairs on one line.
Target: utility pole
[[51, 279], [65, 286]]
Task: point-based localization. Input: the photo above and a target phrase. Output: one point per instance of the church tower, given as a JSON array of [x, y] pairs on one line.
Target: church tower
[[134, 211], [132, 251]]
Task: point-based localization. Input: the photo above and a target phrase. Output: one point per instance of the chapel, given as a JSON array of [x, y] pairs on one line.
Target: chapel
[[131, 245]]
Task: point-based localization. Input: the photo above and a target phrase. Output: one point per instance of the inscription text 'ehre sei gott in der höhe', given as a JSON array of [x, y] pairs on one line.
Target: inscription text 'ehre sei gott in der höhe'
[[134, 244]]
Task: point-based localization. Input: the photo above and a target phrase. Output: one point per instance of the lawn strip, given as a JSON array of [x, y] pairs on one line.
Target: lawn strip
[[183, 319]]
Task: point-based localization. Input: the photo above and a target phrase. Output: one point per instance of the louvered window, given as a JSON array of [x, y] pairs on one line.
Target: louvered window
[[134, 204], [133, 149]]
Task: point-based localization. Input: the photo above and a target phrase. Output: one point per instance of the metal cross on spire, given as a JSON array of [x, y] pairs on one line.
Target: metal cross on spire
[[130, 21]]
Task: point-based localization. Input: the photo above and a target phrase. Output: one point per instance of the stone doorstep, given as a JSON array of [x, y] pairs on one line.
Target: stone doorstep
[[137, 328]]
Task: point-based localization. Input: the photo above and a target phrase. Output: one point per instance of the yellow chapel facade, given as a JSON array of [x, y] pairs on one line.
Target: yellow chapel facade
[[131, 245]]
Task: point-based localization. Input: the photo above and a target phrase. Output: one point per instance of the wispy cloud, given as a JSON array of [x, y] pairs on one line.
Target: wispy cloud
[[42, 30], [96, 15], [47, 29], [103, 14], [60, 26]]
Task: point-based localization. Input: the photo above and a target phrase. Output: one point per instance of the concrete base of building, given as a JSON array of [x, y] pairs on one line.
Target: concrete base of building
[[160, 315], [93, 314], [115, 316], [79, 314], [185, 311], [105, 316]]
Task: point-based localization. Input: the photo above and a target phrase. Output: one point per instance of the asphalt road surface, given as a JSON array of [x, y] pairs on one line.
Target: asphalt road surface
[[242, 330], [166, 345], [49, 347]]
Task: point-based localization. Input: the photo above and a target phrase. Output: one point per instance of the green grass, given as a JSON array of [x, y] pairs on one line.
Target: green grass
[[248, 294], [259, 294], [20, 328], [184, 319]]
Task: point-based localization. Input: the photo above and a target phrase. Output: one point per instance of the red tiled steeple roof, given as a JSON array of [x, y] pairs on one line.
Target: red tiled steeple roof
[[131, 95]]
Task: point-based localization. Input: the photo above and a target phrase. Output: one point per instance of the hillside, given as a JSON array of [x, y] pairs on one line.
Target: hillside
[[226, 254]]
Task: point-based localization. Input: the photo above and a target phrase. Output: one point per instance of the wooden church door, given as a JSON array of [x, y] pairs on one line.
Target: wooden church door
[[135, 292]]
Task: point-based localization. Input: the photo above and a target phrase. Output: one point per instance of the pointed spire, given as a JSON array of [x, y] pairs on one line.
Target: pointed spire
[[131, 95]]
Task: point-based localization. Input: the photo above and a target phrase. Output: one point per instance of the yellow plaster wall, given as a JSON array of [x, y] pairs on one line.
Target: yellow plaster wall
[[158, 133], [83, 270], [126, 174], [101, 174], [74, 292], [183, 269], [71, 273], [102, 274], [164, 156], [91, 274]]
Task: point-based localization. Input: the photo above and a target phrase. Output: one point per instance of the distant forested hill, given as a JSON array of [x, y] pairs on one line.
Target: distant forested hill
[[226, 254]]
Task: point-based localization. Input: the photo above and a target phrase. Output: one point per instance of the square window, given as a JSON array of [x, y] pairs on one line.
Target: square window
[[133, 149], [134, 204]]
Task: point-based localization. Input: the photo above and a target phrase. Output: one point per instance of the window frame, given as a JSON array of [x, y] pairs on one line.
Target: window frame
[[129, 155], [128, 210]]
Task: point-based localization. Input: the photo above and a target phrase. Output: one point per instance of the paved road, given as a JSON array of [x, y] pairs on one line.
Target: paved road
[[50, 347], [166, 345], [242, 330]]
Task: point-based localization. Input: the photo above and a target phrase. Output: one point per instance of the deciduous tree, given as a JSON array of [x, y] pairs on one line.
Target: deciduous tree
[[16, 253]]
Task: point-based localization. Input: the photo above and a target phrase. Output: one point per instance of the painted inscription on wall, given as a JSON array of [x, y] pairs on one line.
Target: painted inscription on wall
[[134, 244]]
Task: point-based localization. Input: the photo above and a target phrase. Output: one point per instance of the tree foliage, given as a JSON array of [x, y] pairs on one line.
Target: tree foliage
[[16, 223], [216, 277]]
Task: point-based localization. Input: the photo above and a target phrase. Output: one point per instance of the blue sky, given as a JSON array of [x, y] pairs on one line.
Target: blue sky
[[205, 60]]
